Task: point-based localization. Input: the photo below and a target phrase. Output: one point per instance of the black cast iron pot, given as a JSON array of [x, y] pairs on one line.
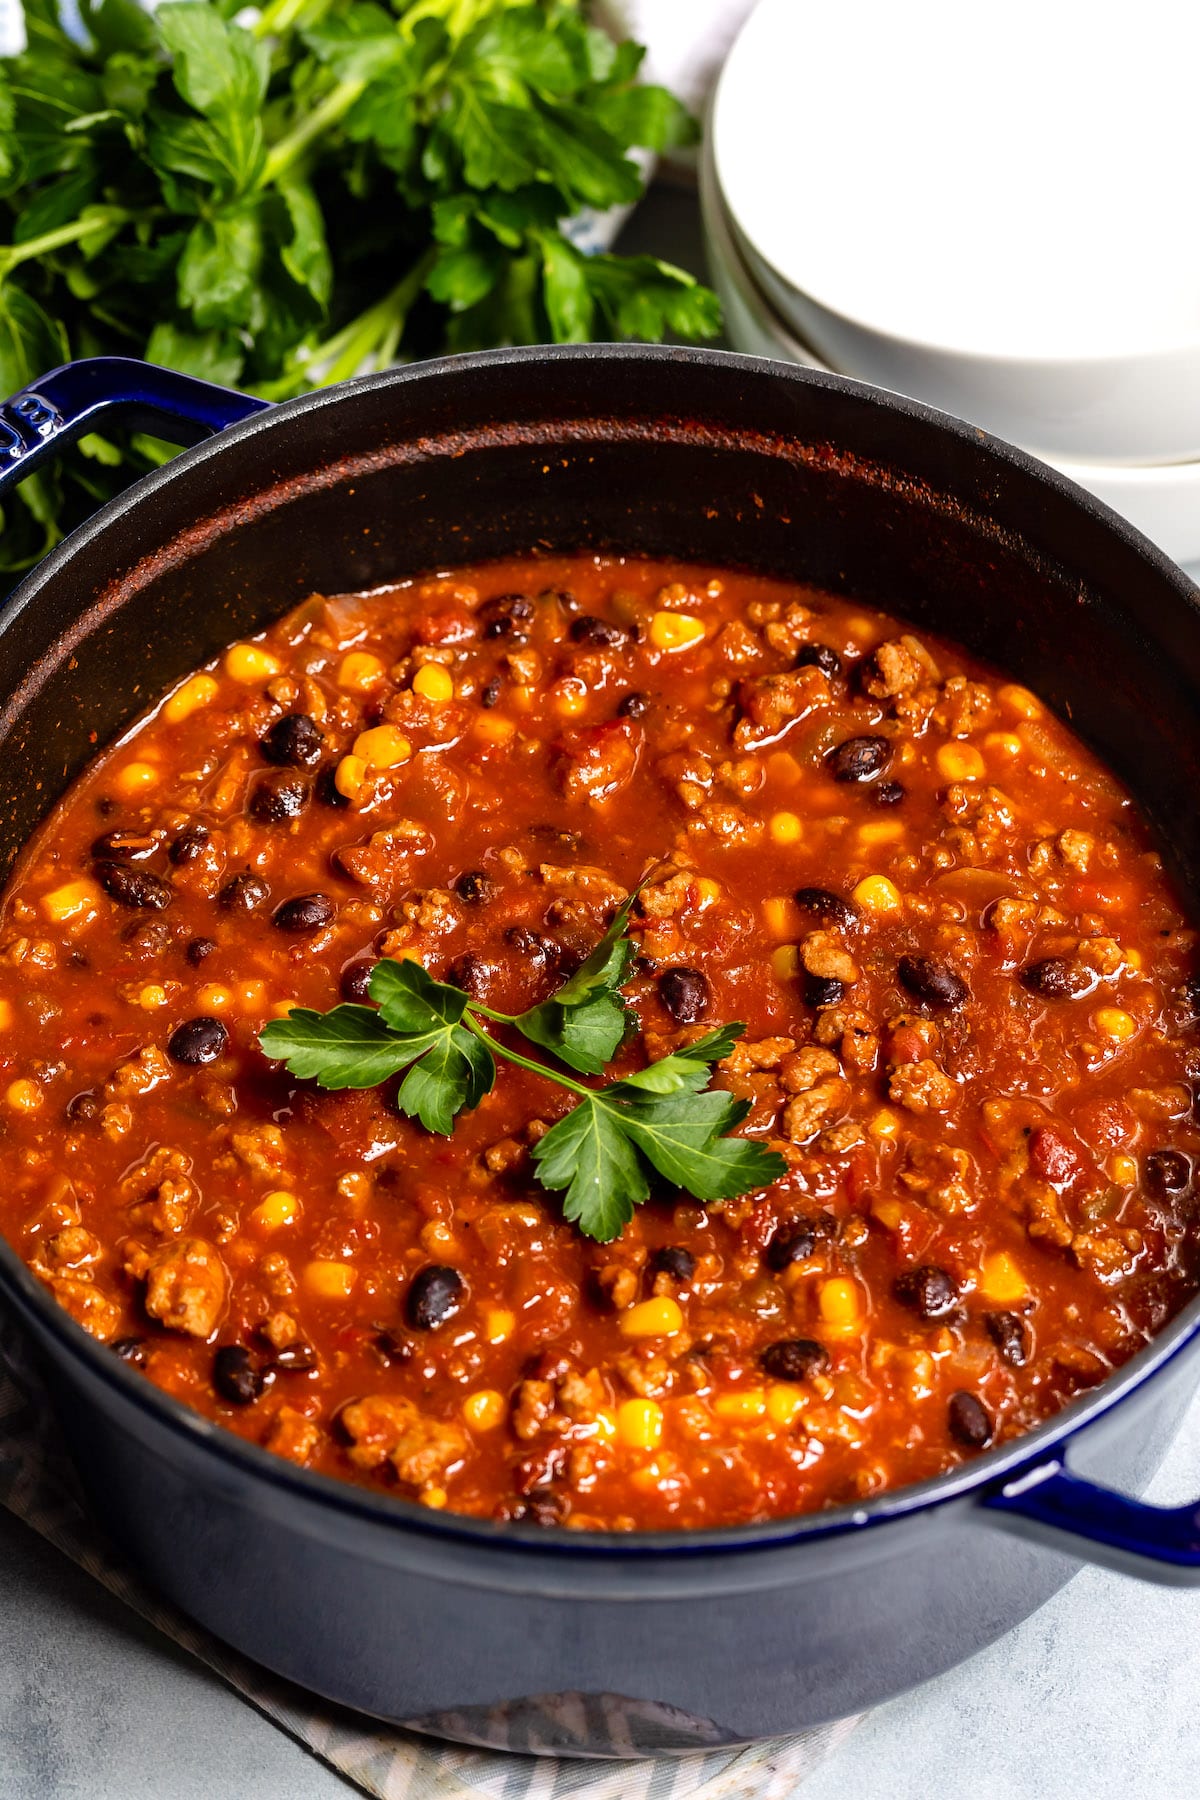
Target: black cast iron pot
[[517, 1636]]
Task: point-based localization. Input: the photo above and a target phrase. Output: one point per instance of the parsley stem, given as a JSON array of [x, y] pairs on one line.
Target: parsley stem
[[522, 1062], [86, 225], [327, 112]]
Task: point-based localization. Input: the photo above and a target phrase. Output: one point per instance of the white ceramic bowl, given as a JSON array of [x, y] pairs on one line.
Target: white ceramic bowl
[[992, 208], [1163, 501]]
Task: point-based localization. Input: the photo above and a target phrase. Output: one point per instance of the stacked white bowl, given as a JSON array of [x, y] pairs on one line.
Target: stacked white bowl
[[990, 209]]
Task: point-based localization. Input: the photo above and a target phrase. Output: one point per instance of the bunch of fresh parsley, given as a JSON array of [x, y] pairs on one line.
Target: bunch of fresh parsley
[[285, 197], [664, 1120]]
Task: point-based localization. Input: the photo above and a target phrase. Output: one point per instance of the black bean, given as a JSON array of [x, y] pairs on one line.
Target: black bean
[[276, 798], [471, 974], [541, 1506], [820, 656], [434, 1296], [293, 742], [295, 1359], [197, 1041], [673, 1260], [570, 841], [393, 1348], [1010, 1335], [633, 706], [244, 893], [474, 888], [130, 1350], [791, 1243], [822, 990], [969, 1421], [85, 1107], [506, 617], [188, 845], [355, 980], [304, 914], [794, 1359], [824, 905], [327, 790], [1166, 1172], [237, 1377], [125, 846], [588, 630], [887, 793], [537, 950], [860, 758], [934, 984], [1058, 978], [684, 993], [490, 694], [133, 887], [928, 1290], [198, 949]]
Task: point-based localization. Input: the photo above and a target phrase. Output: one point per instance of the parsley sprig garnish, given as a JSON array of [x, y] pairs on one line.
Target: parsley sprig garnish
[[662, 1121]]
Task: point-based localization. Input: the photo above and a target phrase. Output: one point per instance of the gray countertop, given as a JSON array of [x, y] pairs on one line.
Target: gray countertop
[[1096, 1695]]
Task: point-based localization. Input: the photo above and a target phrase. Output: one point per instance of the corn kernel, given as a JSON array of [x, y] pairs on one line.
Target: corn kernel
[[960, 762], [675, 630], [437, 1238], [152, 996], [883, 1125], [742, 1406], [6, 1015], [200, 691], [1004, 743], [1114, 1023], [862, 629], [568, 697], [1124, 1171], [878, 895], [486, 1408], [349, 776], [330, 1280], [660, 1317], [213, 998], [135, 778], [433, 1497], [1000, 1280], [785, 1403], [275, 1209], [880, 831], [1019, 700], [708, 892], [837, 1300], [523, 698], [1133, 959], [251, 994], [783, 768], [784, 828], [640, 1424], [250, 663], [493, 728], [498, 1325], [786, 962], [77, 901], [383, 747], [283, 1009], [889, 1212], [434, 682], [605, 1421], [360, 671], [23, 1096], [781, 917]]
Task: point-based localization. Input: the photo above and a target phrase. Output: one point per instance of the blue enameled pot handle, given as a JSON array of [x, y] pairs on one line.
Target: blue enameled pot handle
[[74, 399], [1159, 1543]]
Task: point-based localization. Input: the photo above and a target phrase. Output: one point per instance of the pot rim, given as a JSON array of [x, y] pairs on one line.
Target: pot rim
[[968, 1480]]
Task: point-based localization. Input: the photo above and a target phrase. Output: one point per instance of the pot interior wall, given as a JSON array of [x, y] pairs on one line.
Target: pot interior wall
[[475, 459]]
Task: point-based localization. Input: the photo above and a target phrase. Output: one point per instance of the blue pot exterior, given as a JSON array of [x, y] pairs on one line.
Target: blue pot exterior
[[561, 1641]]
